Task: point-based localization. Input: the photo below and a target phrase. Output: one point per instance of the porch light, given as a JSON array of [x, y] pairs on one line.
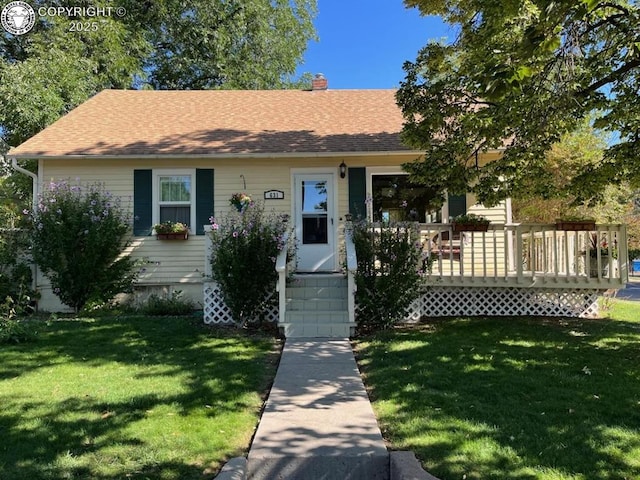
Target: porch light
[[343, 170]]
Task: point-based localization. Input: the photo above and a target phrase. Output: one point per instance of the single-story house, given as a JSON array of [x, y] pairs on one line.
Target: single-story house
[[181, 155]]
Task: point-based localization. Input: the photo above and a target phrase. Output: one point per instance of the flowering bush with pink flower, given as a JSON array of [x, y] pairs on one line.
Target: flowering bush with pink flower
[[79, 234], [246, 244]]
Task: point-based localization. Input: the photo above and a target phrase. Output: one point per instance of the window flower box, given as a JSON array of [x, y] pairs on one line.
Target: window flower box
[[171, 231], [173, 236]]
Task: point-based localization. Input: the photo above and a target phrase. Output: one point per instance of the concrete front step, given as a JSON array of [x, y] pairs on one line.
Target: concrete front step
[[317, 330], [320, 280], [315, 292], [318, 317], [316, 304]]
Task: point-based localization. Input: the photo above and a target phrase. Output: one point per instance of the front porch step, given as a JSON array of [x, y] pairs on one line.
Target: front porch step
[[318, 317], [311, 330], [317, 306]]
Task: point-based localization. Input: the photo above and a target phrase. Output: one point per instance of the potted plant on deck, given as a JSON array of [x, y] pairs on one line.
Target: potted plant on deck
[[470, 222], [575, 224], [171, 230]]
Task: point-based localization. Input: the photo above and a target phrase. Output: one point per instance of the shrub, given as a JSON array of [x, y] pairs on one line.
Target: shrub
[[391, 266], [79, 235], [15, 273], [245, 247], [172, 305], [13, 330]]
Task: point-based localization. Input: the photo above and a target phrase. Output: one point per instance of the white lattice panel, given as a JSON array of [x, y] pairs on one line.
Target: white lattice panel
[[474, 301], [446, 301], [216, 311]]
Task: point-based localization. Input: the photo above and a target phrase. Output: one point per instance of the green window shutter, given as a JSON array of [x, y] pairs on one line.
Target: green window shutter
[[457, 205], [204, 198], [357, 192], [142, 202]]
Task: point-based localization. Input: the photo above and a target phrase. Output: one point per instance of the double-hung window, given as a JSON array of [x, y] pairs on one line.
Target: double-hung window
[[175, 196]]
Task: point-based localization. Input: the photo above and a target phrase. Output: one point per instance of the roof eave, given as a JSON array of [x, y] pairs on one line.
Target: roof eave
[[24, 156]]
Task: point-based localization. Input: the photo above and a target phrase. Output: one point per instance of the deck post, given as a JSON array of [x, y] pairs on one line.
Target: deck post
[[208, 251], [352, 268], [519, 255], [281, 285], [623, 254]]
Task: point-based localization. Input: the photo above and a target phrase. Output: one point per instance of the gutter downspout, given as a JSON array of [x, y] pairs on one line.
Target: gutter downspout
[[34, 177], [34, 206]]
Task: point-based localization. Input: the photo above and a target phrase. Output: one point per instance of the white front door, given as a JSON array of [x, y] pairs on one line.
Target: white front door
[[315, 225]]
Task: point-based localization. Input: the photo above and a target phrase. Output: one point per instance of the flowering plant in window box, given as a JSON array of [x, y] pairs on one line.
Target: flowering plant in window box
[[470, 223], [171, 230], [240, 200]]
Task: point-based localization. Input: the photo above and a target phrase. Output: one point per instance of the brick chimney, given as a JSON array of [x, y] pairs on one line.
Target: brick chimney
[[319, 82]]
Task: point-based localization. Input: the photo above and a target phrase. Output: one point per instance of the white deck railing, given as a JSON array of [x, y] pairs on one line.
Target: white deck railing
[[527, 255], [352, 268], [282, 269]]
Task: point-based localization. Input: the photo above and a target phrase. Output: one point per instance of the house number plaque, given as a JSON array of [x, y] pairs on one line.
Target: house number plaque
[[274, 195]]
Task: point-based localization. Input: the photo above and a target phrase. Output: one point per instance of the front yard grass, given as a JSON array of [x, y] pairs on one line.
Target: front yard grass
[[135, 398], [512, 398]]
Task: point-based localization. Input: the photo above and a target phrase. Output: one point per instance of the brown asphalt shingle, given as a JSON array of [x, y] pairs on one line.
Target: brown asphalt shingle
[[130, 122]]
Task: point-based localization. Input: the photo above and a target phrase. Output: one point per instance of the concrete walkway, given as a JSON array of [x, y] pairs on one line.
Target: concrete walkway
[[318, 422]]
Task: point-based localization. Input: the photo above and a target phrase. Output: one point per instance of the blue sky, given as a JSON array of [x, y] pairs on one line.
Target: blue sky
[[363, 44]]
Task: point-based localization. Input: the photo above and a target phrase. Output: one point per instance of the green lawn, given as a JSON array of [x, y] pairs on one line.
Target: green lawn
[[136, 398], [512, 398]]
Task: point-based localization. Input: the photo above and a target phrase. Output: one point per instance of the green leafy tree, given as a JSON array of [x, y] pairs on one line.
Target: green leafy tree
[[200, 44], [164, 44], [518, 76], [172, 44], [580, 149], [79, 234], [50, 70]]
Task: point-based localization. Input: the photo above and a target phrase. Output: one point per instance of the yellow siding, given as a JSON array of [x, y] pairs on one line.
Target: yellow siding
[[183, 262], [497, 214]]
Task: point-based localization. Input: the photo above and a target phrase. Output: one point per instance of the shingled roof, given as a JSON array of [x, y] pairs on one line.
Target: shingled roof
[[223, 122]]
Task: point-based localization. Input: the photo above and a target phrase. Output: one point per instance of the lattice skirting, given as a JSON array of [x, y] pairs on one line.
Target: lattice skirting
[[216, 311], [448, 301]]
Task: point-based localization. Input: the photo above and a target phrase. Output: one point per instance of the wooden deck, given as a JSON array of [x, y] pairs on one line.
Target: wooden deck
[[527, 255]]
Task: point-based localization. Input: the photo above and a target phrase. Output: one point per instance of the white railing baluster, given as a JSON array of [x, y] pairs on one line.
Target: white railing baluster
[[281, 286], [352, 268], [531, 254]]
